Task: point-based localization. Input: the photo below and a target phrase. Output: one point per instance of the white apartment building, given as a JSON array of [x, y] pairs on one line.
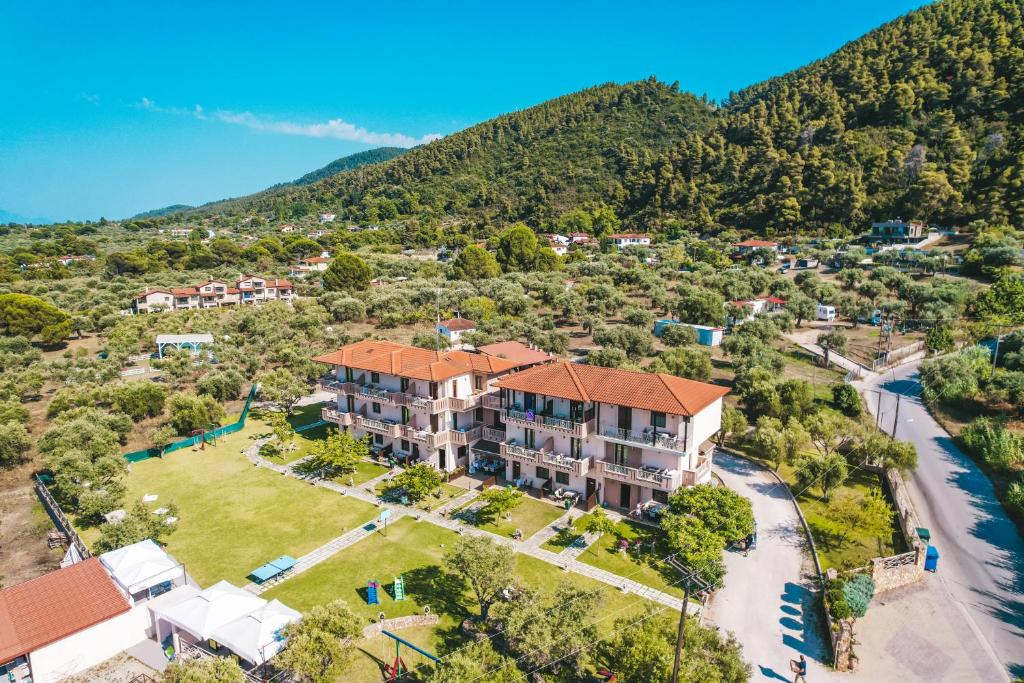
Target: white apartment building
[[415, 404], [627, 437], [250, 289], [630, 239]]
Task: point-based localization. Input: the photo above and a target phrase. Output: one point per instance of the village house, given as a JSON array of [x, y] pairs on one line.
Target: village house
[[312, 265], [747, 246], [250, 289], [559, 248], [453, 329], [326, 218], [898, 231], [630, 239], [579, 238]]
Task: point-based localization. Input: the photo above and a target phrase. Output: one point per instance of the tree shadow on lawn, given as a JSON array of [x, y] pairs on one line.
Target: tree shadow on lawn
[[445, 594]]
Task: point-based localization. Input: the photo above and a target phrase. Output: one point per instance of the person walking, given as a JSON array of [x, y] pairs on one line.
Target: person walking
[[800, 669]]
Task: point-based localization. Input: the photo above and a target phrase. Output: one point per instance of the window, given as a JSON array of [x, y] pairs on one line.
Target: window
[[376, 407], [530, 437], [625, 418], [620, 454], [405, 445], [575, 448], [478, 382], [478, 414], [405, 415], [404, 381], [378, 439], [657, 420], [375, 377], [562, 478], [660, 496], [543, 474], [348, 374]]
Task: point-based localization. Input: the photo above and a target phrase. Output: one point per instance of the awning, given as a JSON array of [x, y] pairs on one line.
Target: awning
[[273, 568], [219, 604], [257, 637], [140, 566]]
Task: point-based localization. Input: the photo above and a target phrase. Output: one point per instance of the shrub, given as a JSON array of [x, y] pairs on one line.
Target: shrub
[[995, 444], [1015, 497], [857, 593], [846, 400], [836, 596]]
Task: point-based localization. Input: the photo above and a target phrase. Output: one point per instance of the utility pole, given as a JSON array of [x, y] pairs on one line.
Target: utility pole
[[878, 410], [995, 356], [896, 418], [691, 580]]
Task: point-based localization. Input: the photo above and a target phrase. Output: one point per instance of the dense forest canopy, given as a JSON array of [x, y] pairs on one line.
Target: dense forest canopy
[[920, 118]]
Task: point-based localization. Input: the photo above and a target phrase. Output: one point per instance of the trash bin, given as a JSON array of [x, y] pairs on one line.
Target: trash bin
[[924, 534], [931, 559]]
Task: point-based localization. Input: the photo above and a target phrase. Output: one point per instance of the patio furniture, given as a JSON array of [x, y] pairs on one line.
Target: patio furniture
[[275, 569]]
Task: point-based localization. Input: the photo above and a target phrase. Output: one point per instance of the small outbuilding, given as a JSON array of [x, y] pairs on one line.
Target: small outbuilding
[[143, 570], [194, 342]]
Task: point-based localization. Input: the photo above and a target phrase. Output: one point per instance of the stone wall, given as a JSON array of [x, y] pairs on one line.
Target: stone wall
[[906, 568]]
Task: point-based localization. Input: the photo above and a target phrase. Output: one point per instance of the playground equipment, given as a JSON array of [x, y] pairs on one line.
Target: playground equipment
[[395, 671], [372, 596], [399, 588]]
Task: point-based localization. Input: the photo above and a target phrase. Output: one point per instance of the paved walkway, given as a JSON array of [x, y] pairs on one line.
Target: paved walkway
[[769, 598], [833, 357]]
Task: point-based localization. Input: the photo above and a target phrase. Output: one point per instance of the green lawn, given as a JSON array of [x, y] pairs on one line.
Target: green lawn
[[445, 494], [833, 551], [414, 550], [530, 516], [365, 471], [644, 566], [234, 516]]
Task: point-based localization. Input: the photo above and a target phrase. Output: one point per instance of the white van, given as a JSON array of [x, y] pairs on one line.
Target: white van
[[826, 312]]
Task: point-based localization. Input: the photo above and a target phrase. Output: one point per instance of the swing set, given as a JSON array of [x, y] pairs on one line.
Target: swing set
[[394, 672]]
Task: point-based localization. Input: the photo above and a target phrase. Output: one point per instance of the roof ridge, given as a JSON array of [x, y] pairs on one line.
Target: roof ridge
[[577, 381]]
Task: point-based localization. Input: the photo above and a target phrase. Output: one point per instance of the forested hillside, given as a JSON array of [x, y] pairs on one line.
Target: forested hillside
[[347, 163], [919, 118]]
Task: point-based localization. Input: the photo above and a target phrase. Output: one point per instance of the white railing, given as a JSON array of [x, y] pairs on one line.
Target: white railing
[[578, 466], [656, 440], [550, 422], [665, 480], [492, 401], [492, 434]]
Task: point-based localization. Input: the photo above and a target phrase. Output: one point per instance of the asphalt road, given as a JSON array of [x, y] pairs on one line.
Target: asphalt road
[[981, 564], [766, 601]]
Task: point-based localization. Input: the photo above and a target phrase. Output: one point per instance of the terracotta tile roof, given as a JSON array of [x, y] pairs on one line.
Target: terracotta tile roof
[[755, 243], [515, 351], [412, 362], [624, 235], [775, 300], [643, 390], [459, 324], [280, 284], [316, 259], [184, 291], [56, 605]]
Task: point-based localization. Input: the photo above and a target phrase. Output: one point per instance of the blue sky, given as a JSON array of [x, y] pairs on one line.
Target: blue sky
[[111, 108]]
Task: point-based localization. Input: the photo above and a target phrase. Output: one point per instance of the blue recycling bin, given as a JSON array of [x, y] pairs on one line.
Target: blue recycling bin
[[931, 559]]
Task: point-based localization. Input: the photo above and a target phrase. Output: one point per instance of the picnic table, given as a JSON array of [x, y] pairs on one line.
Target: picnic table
[[275, 569]]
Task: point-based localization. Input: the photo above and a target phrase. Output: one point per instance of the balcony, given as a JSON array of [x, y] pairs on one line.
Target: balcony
[[647, 438], [377, 426], [337, 417], [368, 392], [465, 435], [701, 475], [492, 434], [667, 480], [461, 404], [492, 401], [550, 422], [520, 453], [566, 463]]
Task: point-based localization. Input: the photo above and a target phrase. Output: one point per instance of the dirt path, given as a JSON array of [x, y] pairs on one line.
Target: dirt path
[[24, 554]]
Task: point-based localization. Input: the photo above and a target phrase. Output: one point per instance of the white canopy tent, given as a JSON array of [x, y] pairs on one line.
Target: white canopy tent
[[141, 566], [214, 607], [257, 636]]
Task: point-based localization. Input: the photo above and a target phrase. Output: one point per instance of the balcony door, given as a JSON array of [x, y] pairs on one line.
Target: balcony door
[[625, 418], [530, 437], [576, 411], [624, 497], [350, 403], [530, 401]]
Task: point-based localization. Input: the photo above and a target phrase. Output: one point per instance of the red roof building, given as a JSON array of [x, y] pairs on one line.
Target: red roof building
[[56, 605]]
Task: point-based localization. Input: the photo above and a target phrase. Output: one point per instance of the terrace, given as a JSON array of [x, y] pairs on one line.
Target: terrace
[[667, 480], [529, 418], [647, 438]]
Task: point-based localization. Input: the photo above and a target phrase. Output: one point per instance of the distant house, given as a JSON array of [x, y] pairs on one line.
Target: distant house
[[579, 238], [326, 218], [68, 260], [561, 239], [180, 232], [807, 263], [454, 329], [630, 239], [306, 266], [898, 230], [287, 228], [706, 335], [250, 289], [747, 246], [558, 247], [774, 304]]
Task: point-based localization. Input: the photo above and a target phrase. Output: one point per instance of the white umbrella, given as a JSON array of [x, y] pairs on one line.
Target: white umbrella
[[257, 636], [217, 605]]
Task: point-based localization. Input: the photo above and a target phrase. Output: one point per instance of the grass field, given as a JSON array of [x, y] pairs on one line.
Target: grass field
[[415, 550], [530, 516], [644, 566], [234, 516], [365, 471]]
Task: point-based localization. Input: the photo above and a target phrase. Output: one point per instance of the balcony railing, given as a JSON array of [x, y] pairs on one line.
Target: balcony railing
[[648, 438], [520, 453], [667, 480], [378, 426], [396, 398], [461, 404], [492, 401], [561, 424], [465, 436], [492, 434], [337, 417], [567, 463]]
